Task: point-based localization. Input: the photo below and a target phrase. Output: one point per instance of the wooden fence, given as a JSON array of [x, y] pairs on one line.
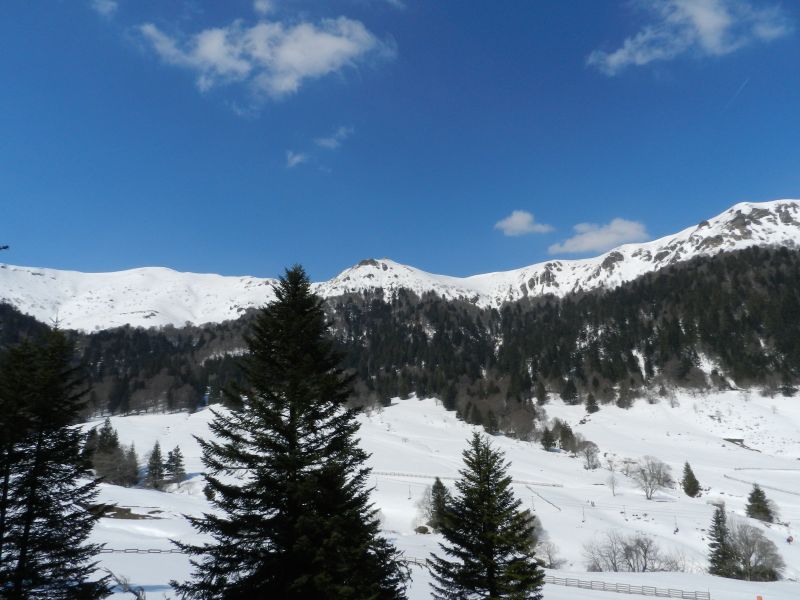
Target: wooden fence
[[601, 586], [624, 588]]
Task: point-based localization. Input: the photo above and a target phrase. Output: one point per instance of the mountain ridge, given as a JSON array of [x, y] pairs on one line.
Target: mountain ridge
[[158, 296]]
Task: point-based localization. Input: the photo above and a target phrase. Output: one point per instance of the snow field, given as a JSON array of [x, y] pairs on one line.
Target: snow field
[[414, 440]]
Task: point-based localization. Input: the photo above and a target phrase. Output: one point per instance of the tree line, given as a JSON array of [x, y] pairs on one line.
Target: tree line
[[739, 309]]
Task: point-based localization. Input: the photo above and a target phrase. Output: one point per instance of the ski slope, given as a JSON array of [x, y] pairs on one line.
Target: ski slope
[[413, 441]]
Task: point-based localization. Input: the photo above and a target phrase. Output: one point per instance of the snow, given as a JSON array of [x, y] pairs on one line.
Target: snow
[[414, 440], [155, 296]]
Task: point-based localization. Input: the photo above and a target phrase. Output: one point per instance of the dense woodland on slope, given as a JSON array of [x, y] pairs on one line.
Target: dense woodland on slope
[[740, 311]]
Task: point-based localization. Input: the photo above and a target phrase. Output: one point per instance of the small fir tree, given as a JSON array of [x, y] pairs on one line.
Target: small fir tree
[[174, 469], [440, 497], [108, 457], [492, 424], [89, 446], [721, 558], [548, 439], [489, 542], [689, 482], [300, 525], [155, 468], [540, 393], [131, 467], [566, 437], [107, 439], [591, 404], [758, 507], [570, 393]]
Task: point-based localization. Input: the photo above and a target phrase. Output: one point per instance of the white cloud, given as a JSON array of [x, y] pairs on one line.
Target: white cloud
[[591, 237], [105, 7], [295, 158], [521, 222], [263, 7], [699, 27], [334, 140], [272, 58]]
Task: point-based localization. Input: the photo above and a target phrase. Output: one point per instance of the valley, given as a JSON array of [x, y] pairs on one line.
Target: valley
[[412, 441]]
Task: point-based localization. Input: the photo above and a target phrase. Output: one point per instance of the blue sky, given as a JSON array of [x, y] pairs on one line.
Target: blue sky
[[457, 136]]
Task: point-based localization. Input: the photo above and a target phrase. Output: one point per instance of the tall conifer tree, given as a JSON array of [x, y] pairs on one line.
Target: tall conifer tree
[[46, 488], [439, 499], [297, 521], [489, 548], [721, 559]]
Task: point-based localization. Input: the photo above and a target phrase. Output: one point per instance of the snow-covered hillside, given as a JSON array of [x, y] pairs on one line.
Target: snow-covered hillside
[[414, 440], [155, 296]]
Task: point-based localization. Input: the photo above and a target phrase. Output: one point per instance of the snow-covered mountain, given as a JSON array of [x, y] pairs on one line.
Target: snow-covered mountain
[[155, 296]]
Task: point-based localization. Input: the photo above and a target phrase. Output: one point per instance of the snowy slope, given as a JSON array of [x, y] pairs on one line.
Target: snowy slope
[[154, 296], [415, 440]]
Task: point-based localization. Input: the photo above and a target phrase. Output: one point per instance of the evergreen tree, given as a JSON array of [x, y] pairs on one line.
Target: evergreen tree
[[155, 468], [46, 486], [89, 446], [440, 497], [566, 437], [570, 393], [108, 457], [721, 559], [489, 539], [548, 439], [131, 467], [540, 393], [174, 469], [492, 425], [689, 482], [300, 525], [107, 439], [758, 507], [591, 404]]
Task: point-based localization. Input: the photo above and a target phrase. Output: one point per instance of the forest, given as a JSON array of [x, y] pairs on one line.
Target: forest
[[710, 323]]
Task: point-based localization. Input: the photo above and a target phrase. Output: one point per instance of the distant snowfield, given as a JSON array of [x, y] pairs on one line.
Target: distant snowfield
[[156, 296], [415, 440]]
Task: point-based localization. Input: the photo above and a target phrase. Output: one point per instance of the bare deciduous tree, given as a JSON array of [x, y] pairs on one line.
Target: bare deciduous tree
[[612, 476], [652, 475], [547, 552], [589, 451], [757, 557], [425, 507], [636, 554]]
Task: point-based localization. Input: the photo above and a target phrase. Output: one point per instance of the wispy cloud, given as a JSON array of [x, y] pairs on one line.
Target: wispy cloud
[[105, 7], [272, 58], [295, 158], [263, 7], [334, 140], [591, 237], [697, 27], [521, 222]]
